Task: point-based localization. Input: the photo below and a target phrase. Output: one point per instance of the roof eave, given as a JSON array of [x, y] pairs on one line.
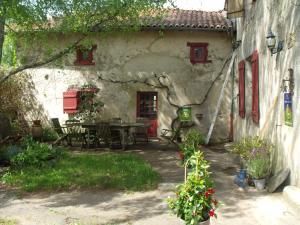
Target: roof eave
[[186, 29]]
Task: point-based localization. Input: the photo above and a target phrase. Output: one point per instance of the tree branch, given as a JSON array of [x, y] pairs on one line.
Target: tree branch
[[161, 85], [41, 63], [57, 55]]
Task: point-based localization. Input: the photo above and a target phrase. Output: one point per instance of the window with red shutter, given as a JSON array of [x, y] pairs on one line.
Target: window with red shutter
[[85, 56], [255, 87], [198, 52], [242, 89]]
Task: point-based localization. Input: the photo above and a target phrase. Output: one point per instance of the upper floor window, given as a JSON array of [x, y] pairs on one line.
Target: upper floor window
[[198, 52], [84, 56]]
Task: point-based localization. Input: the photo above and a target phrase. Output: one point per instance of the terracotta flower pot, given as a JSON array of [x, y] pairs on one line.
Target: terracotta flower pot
[[37, 130], [206, 222]]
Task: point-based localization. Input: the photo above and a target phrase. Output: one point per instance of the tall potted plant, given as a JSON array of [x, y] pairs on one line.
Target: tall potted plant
[[191, 142], [255, 157], [194, 202], [259, 166]]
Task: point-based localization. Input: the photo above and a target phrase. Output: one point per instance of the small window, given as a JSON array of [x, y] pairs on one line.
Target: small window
[[198, 52], [84, 56]]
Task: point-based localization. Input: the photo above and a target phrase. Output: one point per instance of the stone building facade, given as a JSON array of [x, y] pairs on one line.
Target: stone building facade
[[160, 62], [272, 106]]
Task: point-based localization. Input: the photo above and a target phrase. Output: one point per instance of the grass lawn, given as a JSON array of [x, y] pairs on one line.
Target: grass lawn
[[86, 171]]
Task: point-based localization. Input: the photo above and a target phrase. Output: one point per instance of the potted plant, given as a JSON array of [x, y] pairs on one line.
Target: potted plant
[[37, 129], [259, 166], [194, 202], [254, 153], [191, 142]]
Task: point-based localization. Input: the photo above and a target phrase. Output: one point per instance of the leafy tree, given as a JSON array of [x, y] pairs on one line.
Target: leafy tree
[[31, 21]]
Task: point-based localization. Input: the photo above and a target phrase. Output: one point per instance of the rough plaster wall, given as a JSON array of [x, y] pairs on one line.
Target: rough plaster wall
[[139, 56], [284, 19]]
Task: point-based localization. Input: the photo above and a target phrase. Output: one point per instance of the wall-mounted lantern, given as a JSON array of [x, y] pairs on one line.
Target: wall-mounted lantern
[[271, 43]]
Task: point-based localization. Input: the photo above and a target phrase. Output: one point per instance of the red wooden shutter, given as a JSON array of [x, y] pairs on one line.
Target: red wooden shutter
[[255, 87], [71, 101], [242, 89]]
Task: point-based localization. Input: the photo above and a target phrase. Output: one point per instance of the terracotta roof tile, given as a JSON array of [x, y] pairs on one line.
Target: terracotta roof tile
[[178, 19]]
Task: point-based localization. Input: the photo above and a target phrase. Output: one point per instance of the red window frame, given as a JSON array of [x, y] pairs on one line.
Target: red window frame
[[193, 55], [242, 108], [255, 87], [80, 53]]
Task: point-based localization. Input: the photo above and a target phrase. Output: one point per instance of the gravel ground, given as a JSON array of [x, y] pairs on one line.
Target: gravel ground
[[248, 207]]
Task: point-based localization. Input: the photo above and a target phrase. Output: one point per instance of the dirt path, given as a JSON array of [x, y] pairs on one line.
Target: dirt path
[[150, 208]]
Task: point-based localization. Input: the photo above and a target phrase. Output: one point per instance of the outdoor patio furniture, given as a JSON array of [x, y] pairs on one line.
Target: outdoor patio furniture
[[61, 131], [170, 136], [141, 133], [124, 131], [104, 134], [90, 137], [74, 130]]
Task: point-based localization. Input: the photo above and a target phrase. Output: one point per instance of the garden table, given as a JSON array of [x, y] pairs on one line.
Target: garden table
[[122, 127]]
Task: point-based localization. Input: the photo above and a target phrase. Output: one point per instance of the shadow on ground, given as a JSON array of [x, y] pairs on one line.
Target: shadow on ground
[[150, 207]]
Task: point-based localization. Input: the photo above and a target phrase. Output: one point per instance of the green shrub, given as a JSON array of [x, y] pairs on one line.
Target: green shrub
[[192, 140], [244, 147], [259, 163], [35, 154], [49, 134], [8, 152]]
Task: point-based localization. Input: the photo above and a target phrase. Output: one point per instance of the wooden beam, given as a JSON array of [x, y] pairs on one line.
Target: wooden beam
[[220, 98]]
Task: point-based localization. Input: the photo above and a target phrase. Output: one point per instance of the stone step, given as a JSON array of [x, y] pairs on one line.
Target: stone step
[[292, 195]]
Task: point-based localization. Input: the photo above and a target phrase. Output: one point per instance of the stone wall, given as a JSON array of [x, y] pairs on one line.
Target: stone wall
[[283, 17], [142, 56]]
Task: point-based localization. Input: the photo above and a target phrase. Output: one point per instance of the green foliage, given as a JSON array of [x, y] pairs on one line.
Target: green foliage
[[90, 105], [259, 163], [8, 152], [49, 134], [191, 143], [105, 171], [244, 147], [9, 56], [32, 21], [194, 201], [36, 154]]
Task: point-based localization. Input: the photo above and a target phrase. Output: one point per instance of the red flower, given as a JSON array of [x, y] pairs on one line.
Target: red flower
[[206, 194], [211, 191], [212, 213]]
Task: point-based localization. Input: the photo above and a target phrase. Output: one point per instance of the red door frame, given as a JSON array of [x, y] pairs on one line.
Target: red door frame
[[152, 131]]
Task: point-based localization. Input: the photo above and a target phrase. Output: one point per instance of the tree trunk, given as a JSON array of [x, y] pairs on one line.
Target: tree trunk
[[2, 24]]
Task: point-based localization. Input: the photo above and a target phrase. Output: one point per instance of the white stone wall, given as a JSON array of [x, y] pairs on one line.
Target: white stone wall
[[139, 56], [284, 19]]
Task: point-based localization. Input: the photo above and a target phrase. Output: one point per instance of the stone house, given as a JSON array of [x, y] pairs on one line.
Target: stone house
[[150, 73], [267, 86]]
